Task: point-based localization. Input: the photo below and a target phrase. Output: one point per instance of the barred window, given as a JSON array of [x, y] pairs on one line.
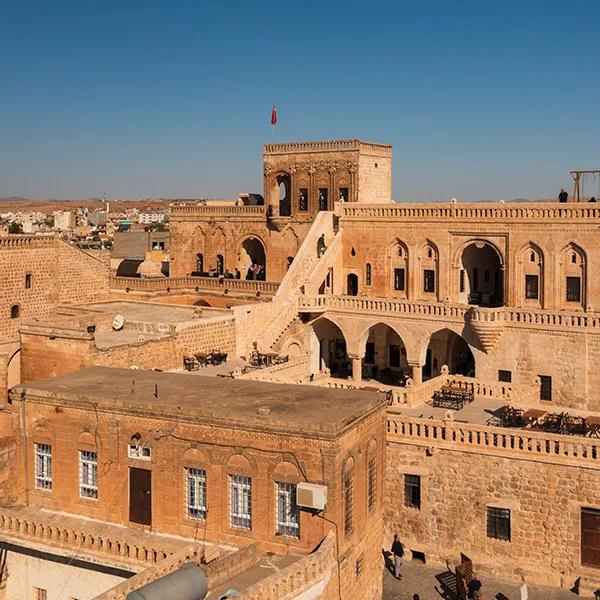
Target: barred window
[[368, 274], [288, 515], [428, 280], [372, 483], [498, 523], [531, 287], [573, 289], [196, 493], [412, 491], [545, 388], [88, 474], [241, 501], [40, 594], [348, 524], [43, 466]]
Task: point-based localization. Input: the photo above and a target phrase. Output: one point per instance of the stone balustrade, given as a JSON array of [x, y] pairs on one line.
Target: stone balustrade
[[505, 316], [295, 370], [191, 553], [217, 210], [538, 212], [297, 577], [26, 241], [221, 284], [111, 543], [324, 146], [519, 443]]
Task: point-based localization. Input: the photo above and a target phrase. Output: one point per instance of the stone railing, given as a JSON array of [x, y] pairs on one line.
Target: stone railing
[[498, 390], [69, 532], [324, 146], [520, 443], [515, 212], [193, 553], [221, 284], [26, 241], [297, 577], [217, 210], [296, 370]]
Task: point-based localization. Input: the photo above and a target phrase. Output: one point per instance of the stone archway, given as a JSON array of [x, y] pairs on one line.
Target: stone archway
[[252, 259], [445, 347], [385, 358], [481, 275], [329, 347]]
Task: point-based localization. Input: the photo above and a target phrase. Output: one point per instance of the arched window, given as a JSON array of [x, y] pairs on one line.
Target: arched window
[[429, 271], [574, 277], [14, 311], [532, 276], [368, 274], [398, 269]]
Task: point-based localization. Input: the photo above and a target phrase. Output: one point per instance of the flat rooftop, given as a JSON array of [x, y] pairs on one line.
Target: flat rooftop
[[235, 402]]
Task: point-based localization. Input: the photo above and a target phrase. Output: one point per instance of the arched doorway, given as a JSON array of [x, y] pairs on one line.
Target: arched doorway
[[285, 196], [330, 346], [385, 356], [352, 284], [481, 275], [252, 259], [448, 348]]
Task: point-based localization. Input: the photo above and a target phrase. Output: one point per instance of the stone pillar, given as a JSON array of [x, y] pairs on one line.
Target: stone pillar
[[417, 373], [356, 368]]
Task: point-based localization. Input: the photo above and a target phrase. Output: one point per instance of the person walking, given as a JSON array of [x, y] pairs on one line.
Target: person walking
[[398, 552]]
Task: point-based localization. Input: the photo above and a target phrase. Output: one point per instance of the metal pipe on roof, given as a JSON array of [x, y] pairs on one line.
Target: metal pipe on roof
[[186, 583]]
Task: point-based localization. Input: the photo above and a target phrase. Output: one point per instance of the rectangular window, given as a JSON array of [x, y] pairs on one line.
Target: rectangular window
[[27, 281], [462, 280], [303, 199], [590, 540], [372, 484], [498, 523], [43, 466], [88, 474], [531, 287], [412, 491], [573, 289], [348, 524], [288, 515], [196, 493], [505, 376], [545, 388], [40, 594], [323, 203], [143, 452], [368, 274], [370, 353], [428, 280], [399, 280], [241, 501], [394, 356], [343, 195]]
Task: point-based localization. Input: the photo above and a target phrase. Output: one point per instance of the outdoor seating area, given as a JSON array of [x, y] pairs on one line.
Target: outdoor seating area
[[541, 420], [212, 358], [267, 359], [453, 396]]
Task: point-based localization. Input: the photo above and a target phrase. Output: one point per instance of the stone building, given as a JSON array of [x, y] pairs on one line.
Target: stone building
[[174, 454]]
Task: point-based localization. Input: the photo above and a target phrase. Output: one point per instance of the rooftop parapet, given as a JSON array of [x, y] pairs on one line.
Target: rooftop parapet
[[26, 241], [326, 146]]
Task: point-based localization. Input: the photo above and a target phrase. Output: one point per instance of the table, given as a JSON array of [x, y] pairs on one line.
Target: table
[[592, 425], [533, 416]]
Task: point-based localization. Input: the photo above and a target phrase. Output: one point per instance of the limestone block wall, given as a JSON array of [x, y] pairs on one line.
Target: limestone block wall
[[7, 470], [216, 333], [544, 499]]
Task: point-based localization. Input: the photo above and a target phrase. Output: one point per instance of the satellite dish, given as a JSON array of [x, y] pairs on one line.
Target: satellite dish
[[118, 322]]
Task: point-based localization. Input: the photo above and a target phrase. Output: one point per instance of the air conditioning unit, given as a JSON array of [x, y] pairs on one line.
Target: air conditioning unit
[[311, 495]]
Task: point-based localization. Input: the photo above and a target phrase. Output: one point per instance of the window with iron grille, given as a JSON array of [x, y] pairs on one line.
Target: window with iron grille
[[88, 474], [412, 491], [40, 594], [358, 565], [505, 376], [27, 281], [372, 484], [429, 280], [240, 491], [545, 388], [531, 287], [399, 280], [573, 289], [368, 274], [196, 493], [498, 523], [288, 515], [43, 466], [348, 524]]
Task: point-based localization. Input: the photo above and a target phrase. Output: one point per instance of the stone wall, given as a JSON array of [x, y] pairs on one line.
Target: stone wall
[[544, 496]]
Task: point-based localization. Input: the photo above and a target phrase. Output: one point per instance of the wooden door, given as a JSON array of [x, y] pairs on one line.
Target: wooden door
[[590, 537], [140, 496]]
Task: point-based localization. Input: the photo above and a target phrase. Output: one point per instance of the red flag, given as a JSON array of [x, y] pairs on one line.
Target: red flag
[[274, 116]]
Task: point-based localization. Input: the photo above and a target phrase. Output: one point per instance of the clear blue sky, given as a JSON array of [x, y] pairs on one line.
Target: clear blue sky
[[480, 99]]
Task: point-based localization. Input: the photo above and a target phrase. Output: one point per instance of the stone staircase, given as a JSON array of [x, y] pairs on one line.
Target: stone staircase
[[305, 275]]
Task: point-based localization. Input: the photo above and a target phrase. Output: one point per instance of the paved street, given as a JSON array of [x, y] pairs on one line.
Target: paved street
[[421, 579]]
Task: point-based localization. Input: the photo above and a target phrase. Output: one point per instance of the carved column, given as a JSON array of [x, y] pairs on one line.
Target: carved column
[[313, 197], [417, 373], [356, 368]]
